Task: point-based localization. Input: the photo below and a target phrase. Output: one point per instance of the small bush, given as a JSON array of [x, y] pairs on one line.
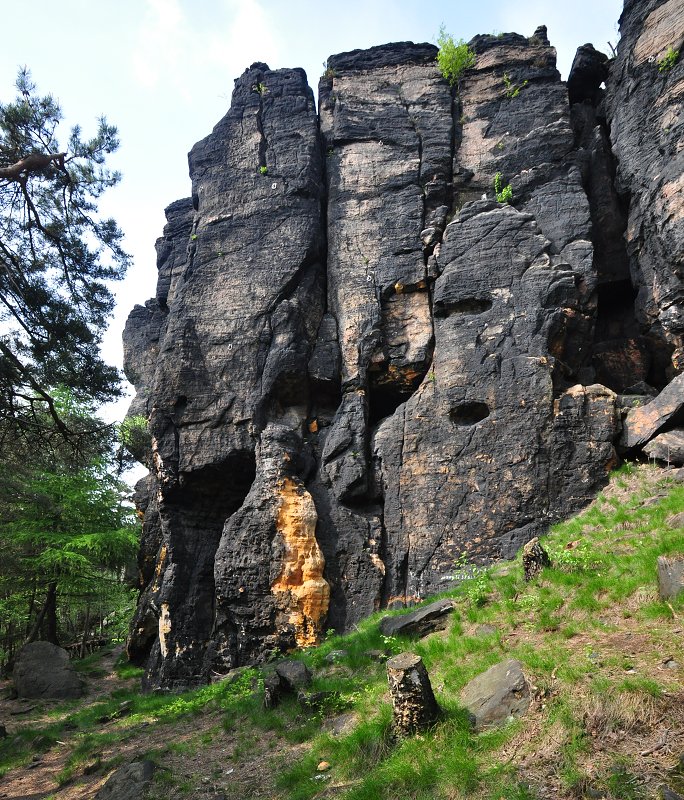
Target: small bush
[[668, 60], [454, 58], [263, 170], [512, 89], [504, 194]]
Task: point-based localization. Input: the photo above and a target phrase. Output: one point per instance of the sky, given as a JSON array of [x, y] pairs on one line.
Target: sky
[[162, 71]]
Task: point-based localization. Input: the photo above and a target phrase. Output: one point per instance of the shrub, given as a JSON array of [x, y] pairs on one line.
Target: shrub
[[668, 60], [454, 58], [504, 194], [512, 89], [263, 170]]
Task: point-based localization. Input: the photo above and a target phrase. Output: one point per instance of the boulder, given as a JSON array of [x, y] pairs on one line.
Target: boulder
[[424, 620], [670, 576], [128, 782], [667, 447], [497, 694], [294, 674], [643, 423], [43, 670]]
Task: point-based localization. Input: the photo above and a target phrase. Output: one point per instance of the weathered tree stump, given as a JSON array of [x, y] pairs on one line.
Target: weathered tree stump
[[534, 559], [413, 700], [273, 690]]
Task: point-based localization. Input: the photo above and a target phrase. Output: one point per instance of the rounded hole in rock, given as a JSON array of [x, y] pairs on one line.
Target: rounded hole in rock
[[469, 305], [469, 413]]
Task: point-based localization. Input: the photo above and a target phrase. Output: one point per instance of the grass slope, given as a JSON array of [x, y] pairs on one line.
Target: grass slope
[[602, 653]]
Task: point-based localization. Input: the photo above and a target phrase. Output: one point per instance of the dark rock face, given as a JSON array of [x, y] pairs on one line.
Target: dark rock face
[[643, 108], [359, 365], [43, 671]]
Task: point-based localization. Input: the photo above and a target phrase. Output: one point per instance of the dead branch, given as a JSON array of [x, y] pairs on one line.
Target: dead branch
[[31, 163], [658, 745]]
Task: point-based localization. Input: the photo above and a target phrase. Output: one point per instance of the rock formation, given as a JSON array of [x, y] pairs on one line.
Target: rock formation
[[359, 365]]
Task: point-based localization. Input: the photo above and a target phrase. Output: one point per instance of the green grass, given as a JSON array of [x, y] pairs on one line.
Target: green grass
[[565, 627], [612, 557]]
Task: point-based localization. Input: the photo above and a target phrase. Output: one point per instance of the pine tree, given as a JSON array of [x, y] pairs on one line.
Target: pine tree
[[56, 257], [67, 534]]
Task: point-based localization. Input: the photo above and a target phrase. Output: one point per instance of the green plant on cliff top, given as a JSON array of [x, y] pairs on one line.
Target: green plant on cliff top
[[454, 58], [668, 60], [504, 194]]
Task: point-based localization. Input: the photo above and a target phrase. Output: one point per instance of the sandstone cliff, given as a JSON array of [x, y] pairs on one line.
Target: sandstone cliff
[[359, 365]]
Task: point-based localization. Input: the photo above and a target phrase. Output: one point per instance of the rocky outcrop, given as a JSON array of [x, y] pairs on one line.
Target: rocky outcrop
[[360, 366], [643, 109]]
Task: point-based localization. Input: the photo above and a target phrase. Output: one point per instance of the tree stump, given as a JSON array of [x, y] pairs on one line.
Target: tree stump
[[534, 559], [413, 700]]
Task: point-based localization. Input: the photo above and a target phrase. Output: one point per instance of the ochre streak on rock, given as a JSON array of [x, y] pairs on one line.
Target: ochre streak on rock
[[301, 583], [164, 627]]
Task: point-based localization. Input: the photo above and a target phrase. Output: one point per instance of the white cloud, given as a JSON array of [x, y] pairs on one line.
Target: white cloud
[[176, 48]]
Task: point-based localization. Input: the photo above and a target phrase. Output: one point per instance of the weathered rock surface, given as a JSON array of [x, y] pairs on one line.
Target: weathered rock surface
[[643, 423], [128, 782], [43, 670], [643, 109], [497, 694], [421, 622], [667, 447], [670, 576], [359, 365]]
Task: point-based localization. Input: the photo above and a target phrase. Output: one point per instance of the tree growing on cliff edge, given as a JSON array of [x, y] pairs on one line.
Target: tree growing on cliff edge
[[56, 256], [454, 57]]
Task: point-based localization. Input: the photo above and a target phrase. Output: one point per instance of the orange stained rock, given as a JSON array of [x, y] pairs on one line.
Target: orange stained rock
[[301, 584], [164, 628]]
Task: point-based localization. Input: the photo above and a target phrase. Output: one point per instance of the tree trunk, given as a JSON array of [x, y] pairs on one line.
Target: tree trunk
[[86, 625], [51, 614], [48, 610], [413, 700]]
